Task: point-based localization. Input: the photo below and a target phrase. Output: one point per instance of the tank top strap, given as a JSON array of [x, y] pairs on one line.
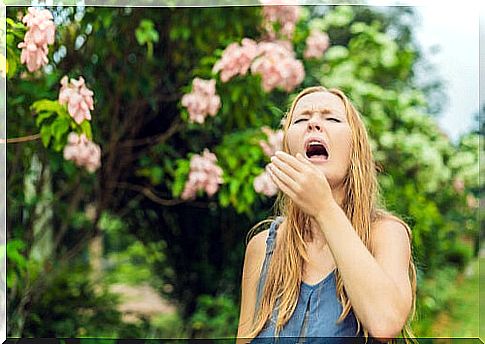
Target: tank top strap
[[270, 245], [271, 239]]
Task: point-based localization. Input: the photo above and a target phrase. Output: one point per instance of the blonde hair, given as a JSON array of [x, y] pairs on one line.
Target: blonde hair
[[361, 204]]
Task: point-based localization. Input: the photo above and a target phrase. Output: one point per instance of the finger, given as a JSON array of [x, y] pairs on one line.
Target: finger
[[281, 175], [290, 160], [304, 160], [285, 167], [282, 186]]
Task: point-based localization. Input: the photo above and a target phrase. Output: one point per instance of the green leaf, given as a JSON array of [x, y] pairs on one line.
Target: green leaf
[[12, 66], [156, 175], [223, 198], [86, 128], [146, 33], [10, 21], [45, 135], [336, 52], [13, 252], [59, 127], [47, 106], [43, 116]]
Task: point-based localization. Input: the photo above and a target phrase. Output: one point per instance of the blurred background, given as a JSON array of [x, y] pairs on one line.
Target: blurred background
[[132, 183]]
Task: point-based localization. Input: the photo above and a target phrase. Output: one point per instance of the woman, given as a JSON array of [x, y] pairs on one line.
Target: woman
[[333, 263]]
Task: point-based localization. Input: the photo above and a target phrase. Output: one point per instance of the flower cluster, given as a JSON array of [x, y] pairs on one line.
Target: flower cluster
[[274, 143], [278, 67], [202, 101], [283, 12], [40, 33], [204, 175], [236, 59], [78, 97], [471, 201], [264, 184], [316, 44], [83, 152], [459, 185]]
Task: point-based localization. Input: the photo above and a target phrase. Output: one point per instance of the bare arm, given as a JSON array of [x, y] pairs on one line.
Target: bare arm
[[378, 286], [253, 262]]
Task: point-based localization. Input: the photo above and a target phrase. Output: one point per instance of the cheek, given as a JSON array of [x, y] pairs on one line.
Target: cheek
[[345, 147], [293, 138]]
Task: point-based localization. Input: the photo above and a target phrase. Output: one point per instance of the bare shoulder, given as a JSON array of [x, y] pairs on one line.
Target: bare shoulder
[[256, 247], [253, 262], [390, 232]]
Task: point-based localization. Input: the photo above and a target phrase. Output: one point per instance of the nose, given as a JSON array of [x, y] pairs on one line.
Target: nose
[[314, 125]]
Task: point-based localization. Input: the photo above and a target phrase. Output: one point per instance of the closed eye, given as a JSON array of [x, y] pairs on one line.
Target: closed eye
[[299, 120], [334, 119]]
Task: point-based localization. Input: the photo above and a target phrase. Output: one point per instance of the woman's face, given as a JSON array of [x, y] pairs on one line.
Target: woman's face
[[319, 130]]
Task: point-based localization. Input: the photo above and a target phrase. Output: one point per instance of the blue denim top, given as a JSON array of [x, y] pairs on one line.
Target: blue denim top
[[316, 313]]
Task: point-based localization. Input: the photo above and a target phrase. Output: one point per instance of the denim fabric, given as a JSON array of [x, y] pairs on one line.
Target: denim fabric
[[321, 301]]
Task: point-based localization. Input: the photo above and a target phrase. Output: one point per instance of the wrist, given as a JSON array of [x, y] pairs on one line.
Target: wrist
[[330, 210]]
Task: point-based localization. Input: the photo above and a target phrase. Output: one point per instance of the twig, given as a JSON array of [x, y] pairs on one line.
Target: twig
[[155, 139], [149, 194], [21, 139]]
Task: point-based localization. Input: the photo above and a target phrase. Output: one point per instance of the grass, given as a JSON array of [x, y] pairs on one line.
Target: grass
[[460, 318]]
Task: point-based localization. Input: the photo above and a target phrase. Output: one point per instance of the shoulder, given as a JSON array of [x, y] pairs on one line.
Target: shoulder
[[390, 233], [257, 244], [254, 256]]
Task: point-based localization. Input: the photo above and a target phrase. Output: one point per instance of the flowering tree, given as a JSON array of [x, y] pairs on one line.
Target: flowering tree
[[170, 132]]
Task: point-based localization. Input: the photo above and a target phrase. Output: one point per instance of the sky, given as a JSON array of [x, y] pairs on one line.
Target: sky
[[455, 30]]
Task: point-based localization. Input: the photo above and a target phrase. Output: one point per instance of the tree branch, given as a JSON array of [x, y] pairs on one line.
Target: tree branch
[[156, 139], [21, 139], [149, 193]]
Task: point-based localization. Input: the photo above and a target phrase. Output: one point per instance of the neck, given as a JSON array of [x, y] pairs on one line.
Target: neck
[[317, 235], [338, 194]]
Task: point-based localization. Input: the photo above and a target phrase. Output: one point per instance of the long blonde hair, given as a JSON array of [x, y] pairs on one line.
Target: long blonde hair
[[361, 204]]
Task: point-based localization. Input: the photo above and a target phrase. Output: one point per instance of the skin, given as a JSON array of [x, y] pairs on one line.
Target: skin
[[377, 285]]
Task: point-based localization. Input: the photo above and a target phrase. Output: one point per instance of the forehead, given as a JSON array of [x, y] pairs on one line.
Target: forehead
[[319, 100]]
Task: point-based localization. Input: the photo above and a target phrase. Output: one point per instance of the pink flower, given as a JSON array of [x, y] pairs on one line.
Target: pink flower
[[316, 44], [202, 101], [264, 184], [82, 152], [40, 33], [204, 175], [78, 97], [275, 141], [471, 201], [278, 67], [287, 16], [459, 185], [236, 59]]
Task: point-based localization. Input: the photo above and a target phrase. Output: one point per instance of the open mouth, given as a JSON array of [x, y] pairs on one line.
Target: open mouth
[[316, 151]]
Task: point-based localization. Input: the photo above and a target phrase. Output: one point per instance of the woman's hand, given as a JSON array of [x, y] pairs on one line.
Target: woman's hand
[[305, 184]]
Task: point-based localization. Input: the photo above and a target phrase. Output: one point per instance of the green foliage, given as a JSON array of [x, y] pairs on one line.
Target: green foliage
[[434, 292], [147, 34], [168, 326], [15, 35], [54, 122], [16, 260], [181, 174], [72, 307], [216, 317], [134, 264], [240, 156]]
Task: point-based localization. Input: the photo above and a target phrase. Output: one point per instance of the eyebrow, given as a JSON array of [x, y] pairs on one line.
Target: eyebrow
[[323, 111]]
